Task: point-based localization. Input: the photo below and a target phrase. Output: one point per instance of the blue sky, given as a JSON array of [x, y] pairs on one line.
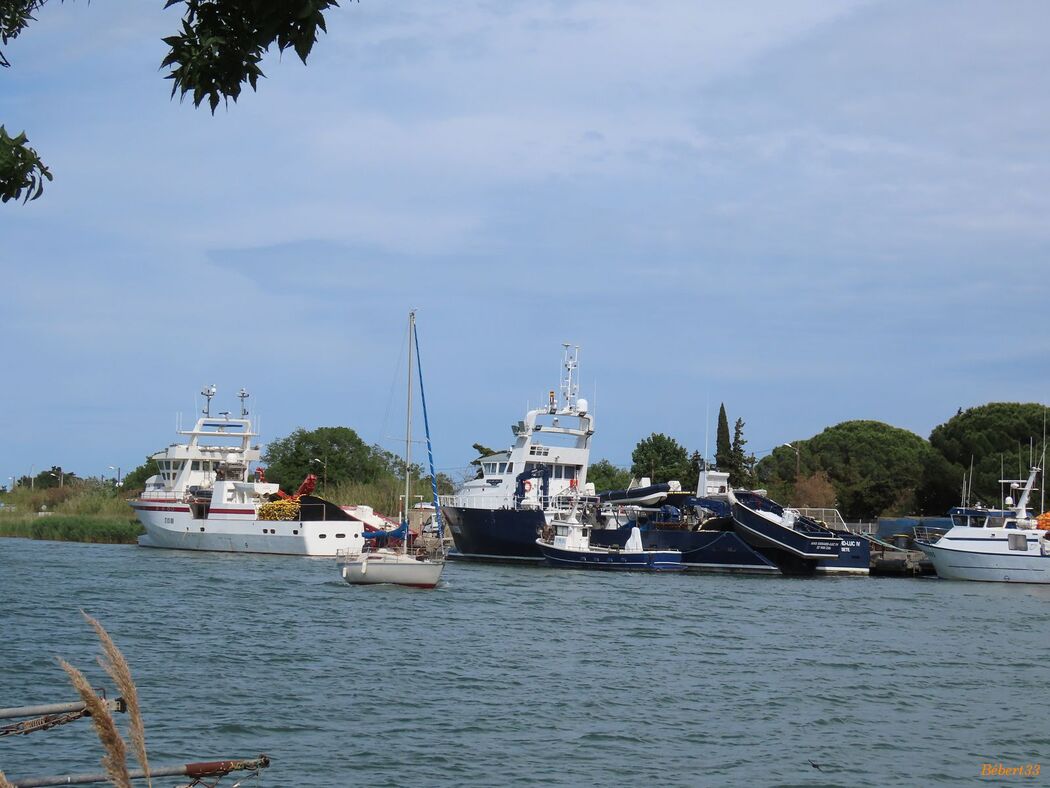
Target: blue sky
[[811, 211]]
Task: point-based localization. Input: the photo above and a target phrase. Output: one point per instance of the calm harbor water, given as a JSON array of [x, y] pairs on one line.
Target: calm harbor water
[[525, 676]]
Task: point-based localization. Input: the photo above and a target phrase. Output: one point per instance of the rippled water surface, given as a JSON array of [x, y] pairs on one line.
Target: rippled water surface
[[520, 675]]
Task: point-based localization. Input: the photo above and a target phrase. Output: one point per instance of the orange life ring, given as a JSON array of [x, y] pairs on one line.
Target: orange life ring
[[528, 485]]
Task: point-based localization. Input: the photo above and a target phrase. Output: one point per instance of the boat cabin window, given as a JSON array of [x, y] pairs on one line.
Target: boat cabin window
[[510, 467], [1018, 541], [503, 467], [561, 530]]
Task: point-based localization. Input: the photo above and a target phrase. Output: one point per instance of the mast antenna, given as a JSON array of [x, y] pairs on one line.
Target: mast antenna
[[208, 392], [568, 388], [242, 395]]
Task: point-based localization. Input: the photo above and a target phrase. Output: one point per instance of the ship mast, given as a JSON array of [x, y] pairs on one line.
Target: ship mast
[[408, 432]]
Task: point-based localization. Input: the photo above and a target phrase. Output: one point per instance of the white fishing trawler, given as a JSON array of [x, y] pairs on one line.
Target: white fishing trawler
[[994, 545], [207, 497]]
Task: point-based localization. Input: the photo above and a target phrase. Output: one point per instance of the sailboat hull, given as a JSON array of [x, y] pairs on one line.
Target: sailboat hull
[[392, 568]]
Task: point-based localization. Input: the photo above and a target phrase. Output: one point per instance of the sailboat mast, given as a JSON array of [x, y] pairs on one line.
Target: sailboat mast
[[408, 428]]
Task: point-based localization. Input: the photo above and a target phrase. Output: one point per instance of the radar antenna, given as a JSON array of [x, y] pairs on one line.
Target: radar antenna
[[570, 387], [242, 395], [208, 392]]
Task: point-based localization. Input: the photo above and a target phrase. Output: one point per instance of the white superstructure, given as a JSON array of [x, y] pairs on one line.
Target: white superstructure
[[206, 497], [996, 548], [547, 464]]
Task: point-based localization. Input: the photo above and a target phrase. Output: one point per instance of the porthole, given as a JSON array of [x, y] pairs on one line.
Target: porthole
[[295, 532], [322, 536], [340, 536]]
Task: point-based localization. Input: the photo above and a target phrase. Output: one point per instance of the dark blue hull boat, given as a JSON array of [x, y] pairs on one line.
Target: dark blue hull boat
[[612, 559], [794, 541], [854, 555], [495, 534], [710, 550]]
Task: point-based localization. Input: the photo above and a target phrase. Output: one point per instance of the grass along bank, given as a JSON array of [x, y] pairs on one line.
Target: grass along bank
[[81, 513], [73, 528]]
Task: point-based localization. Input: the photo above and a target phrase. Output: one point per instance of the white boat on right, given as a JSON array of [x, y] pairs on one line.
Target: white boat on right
[[996, 546]]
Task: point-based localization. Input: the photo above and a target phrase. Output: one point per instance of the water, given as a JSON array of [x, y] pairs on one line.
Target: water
[[525, 676]]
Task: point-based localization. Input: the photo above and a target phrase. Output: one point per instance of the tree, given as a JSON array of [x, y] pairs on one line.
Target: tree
[[874, 468], [815, 490], [214, 54], [741, 465], [662, 459], [606, 476], [335, 452], [723, 449], [483, 452], [997, 438], [136, 479], [55, 477]]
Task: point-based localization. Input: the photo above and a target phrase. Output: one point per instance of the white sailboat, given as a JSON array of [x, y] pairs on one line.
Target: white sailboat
[[398, 566]]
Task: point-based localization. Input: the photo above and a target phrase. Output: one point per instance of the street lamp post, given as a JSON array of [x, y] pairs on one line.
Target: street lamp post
[[324, 465], [797, 458], [117, 469]]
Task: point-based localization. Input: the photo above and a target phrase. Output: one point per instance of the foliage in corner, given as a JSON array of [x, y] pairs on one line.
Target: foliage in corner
[[15, 15], [222, 42], [22, 174]]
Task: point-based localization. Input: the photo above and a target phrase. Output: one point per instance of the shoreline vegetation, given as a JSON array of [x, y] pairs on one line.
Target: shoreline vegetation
[[77, 512], [99, 513]]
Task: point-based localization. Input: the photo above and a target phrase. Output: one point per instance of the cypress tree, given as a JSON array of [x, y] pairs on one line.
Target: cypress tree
[[723, 448]]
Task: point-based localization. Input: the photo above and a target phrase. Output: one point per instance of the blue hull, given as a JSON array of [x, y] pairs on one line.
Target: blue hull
[[614, 560], [495, 534], [801, 543], [854, 555], [711, 551]]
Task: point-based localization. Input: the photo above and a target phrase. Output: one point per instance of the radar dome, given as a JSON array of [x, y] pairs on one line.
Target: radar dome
[[581, 405]]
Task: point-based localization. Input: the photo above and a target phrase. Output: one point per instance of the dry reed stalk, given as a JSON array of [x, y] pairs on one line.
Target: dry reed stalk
[[3, 781], [115, 759], [117, 667]]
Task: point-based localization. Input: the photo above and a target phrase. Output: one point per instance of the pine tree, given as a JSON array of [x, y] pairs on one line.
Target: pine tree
[[723, 449]]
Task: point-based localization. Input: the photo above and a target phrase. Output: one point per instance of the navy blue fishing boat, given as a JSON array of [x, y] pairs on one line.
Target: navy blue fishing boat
[[499, 515], [566, 544], [794, 542]]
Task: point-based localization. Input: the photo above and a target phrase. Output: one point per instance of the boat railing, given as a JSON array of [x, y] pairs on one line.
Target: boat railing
[[163, 495], [544, 502], [829, 517], [832, 518], [927, 534]]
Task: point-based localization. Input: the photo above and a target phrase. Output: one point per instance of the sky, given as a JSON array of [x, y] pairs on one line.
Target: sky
[[811, 212]]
